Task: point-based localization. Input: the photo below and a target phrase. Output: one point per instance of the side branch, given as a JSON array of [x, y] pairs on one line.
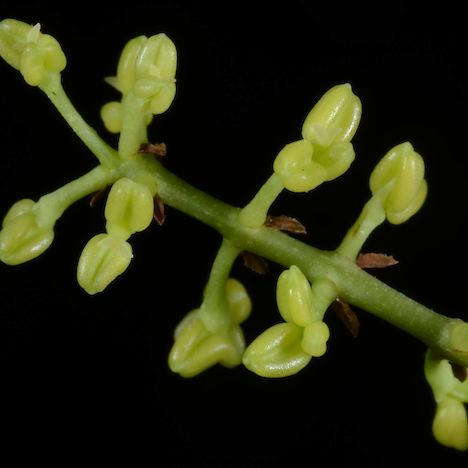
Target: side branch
[[445, 335]]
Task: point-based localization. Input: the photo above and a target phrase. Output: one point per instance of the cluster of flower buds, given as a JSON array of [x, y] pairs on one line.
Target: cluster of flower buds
[[197, 347], [450, 425], [129, 209], [146, 70], [400, 177], [286, 348], [34, 54], [25, 234], [325, 152]]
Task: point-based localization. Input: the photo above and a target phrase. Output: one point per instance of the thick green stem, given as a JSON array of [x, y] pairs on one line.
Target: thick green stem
[[353, 284], [55, 92]]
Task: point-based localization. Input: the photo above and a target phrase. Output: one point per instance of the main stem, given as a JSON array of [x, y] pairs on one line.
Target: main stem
[[447, 336]]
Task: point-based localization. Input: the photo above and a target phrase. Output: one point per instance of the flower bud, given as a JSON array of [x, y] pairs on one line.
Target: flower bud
[[147, 67], [196, 349], [239, 301], [450, 425], [401, 171], [34, 54], [294, 297], [277, 352], [129, 208], [19, 208], [23, 237], [111, 115], [126, 67], [314, 340], [296, 168], [103, 259], [334, 118]]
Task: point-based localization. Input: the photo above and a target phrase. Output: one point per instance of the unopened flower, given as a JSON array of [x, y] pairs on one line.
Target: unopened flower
[[103, 259], [34, 54], [147, 67], [277, 352], [129, 208], [325, 152], [401, 174], [22, 237]]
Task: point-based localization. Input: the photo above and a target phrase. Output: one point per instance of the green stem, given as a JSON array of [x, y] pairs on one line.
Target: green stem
[[55, 92], [445, 335], [133, 132], [372, 215], [51, 206], [214, 310], [254, 214]]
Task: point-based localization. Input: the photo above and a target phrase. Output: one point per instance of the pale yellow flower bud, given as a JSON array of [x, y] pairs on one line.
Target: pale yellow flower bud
[[401, 173], [147, 67], [129, 208], [314, 340], [34, 54], [19, 208], [238, 299], [196, 348], [334, 118], [111, 115], [297, 169], [23, 237], [103, 259], [450, 425], [277, 352], [294, 297]]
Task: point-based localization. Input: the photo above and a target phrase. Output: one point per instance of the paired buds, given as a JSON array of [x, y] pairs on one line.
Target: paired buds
[[196, 348], [286, 348], [400, 177], [325, 152], [23, 235], [147, 69], [34, 54], [129, 209], [450, 424]]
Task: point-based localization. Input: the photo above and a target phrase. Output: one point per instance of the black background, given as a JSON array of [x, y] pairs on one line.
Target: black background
[[86, 378]]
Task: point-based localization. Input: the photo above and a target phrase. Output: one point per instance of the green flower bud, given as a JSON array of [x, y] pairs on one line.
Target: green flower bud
[[314, 340], [19, 208], [296, 168], [34, 54], [401, 173], [334, 118], [23, 237], [277, 352], [238, 299], [147, 67], [13, 39], [294, 297], [302, 166], [196, 349], [103, 259], [450, 425], [336, 159], [129, 208], [126, 71], [111, 115]]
